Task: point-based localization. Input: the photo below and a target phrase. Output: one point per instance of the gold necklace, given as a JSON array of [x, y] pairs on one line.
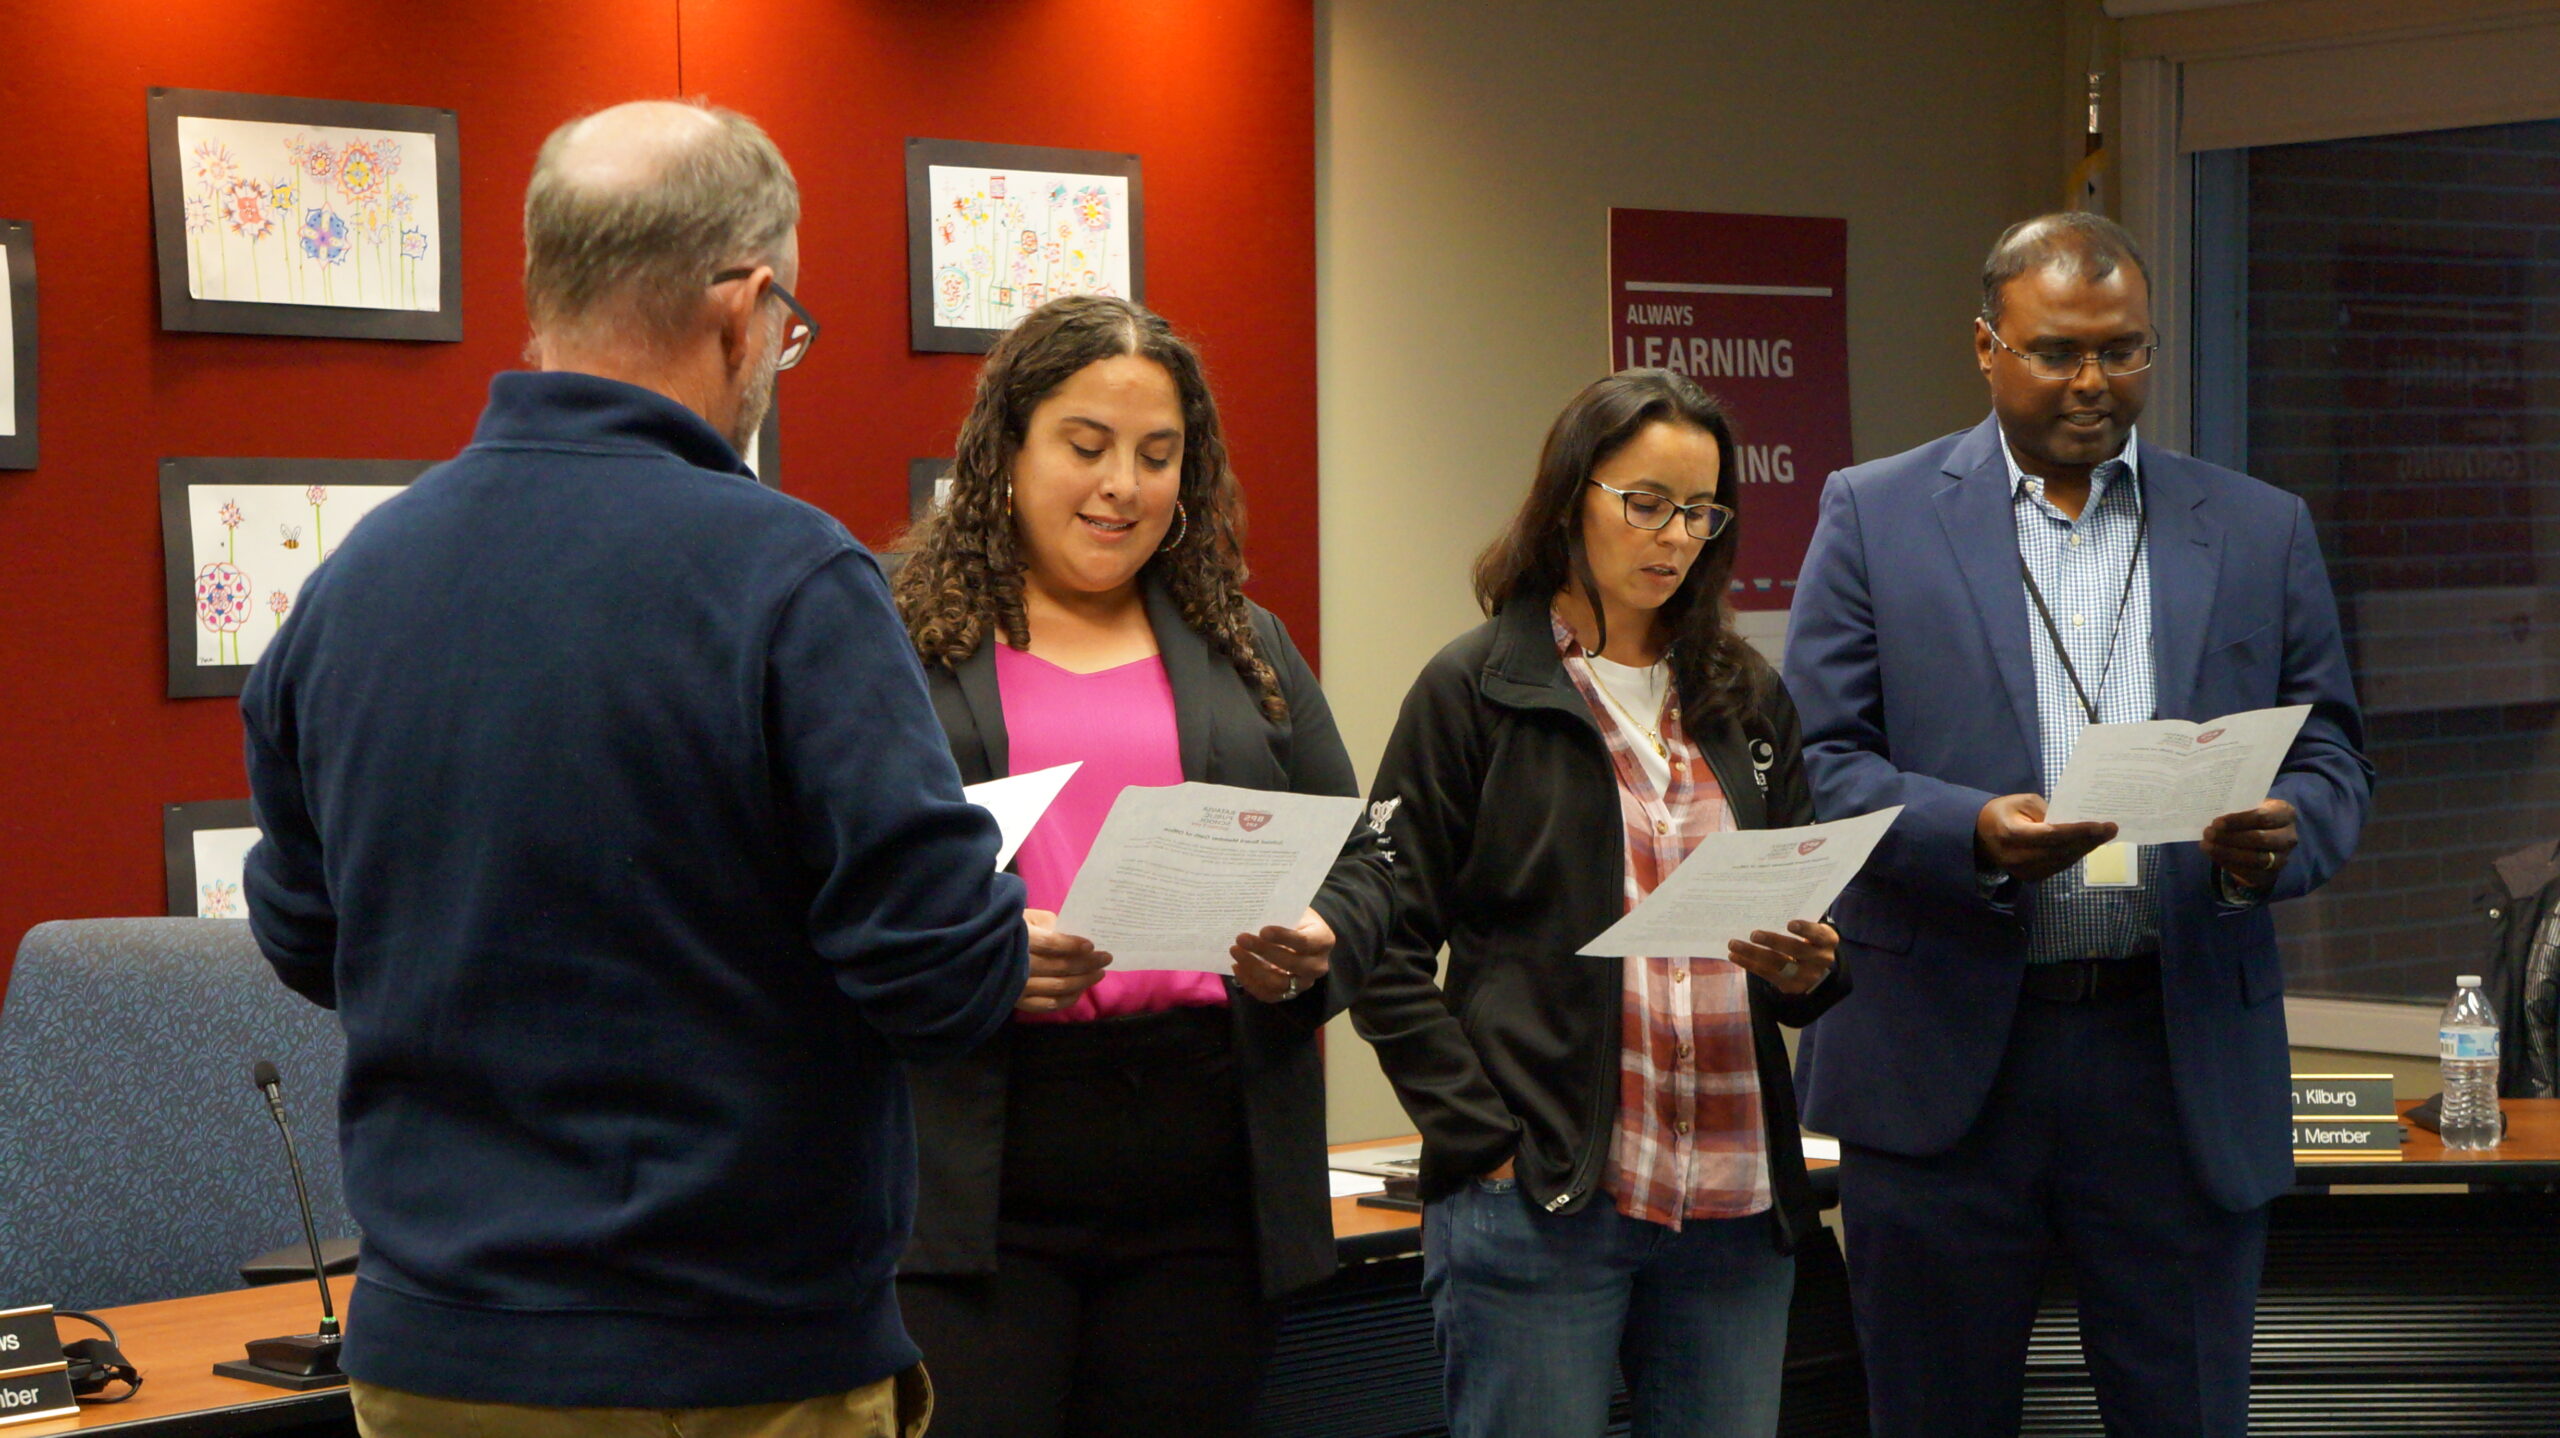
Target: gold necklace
[[1652, 735]]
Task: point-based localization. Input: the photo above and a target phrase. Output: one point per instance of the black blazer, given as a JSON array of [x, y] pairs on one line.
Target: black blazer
[[960, 1105], [1509, 848]]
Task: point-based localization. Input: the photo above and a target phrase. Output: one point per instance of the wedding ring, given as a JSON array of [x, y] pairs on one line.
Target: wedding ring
[[1290, 992], [2270, 856], [1789, 970]]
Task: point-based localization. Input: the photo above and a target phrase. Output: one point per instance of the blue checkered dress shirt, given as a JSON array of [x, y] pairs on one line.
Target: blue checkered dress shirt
[[2080, 565]]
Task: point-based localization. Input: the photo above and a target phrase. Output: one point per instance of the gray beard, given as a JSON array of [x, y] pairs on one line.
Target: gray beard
[[758, 397]]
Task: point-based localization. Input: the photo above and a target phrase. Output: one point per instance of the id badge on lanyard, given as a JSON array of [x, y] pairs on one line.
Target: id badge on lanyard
[[2112, 866], [2117, 865]]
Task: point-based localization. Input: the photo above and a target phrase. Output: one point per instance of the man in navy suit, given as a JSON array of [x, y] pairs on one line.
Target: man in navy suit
[[2061, 1047]]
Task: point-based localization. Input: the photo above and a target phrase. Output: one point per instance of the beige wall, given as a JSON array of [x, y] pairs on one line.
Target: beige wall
[[1468, 152]]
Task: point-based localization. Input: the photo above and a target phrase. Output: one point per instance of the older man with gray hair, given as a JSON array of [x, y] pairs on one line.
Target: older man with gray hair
[[603, 799]]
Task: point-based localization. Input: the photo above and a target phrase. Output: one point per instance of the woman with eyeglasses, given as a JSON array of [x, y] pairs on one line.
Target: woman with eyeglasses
[[1115, 1192], [1610, 1163]]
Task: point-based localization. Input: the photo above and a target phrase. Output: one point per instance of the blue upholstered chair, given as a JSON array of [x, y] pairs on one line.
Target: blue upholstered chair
[[136, 1159]]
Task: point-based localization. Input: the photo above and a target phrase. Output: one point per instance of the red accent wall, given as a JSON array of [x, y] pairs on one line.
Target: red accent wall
[[1217, 100]]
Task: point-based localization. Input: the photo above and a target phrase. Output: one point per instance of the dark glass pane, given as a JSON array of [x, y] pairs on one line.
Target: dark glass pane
[[2404, 379]]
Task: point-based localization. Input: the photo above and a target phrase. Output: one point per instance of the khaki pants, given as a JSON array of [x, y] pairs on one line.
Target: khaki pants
[[894, 1407]]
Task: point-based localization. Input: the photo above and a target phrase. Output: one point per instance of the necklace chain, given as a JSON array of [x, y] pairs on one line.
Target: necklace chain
[[1652, 734]]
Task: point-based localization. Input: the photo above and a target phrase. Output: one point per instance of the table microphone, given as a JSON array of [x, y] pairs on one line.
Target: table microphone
[[300, 1354]]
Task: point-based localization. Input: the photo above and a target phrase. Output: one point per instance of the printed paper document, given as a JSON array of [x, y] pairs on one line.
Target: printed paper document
[[1178, 872], [1352, 1185], [1747, 879], [2161, 782], [1018, 801]]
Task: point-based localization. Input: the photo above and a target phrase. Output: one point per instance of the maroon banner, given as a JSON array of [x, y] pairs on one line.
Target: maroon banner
[[1755, 308]]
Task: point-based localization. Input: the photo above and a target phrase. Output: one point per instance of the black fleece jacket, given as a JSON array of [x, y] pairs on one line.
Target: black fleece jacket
[[1510, 849]]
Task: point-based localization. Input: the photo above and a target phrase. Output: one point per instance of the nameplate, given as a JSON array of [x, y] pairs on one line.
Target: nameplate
[[2342, 1096], [27, 1337], [27, 1394], [2346, 1138]]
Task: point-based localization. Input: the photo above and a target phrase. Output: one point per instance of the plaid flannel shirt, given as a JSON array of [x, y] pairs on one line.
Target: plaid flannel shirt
[[1689, 1141]]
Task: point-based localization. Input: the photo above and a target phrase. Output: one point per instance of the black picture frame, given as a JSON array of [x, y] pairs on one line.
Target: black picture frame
[[18, 273], [180, 310], [922, 476], [179, 825], [926, 332], [189, 678]]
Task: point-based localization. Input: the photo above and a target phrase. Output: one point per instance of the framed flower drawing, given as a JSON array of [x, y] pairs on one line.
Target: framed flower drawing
[[281, 216], [995, 231], [206, 846], [17, 345], [238, 538]]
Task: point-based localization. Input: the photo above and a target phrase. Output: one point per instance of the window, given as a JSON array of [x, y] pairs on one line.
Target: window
[[2378, 331]]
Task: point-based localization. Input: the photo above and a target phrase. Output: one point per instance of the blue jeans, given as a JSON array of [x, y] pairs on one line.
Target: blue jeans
[[1532, 1308]]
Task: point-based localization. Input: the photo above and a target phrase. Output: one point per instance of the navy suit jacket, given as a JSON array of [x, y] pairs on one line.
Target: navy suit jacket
[[1908, 656]]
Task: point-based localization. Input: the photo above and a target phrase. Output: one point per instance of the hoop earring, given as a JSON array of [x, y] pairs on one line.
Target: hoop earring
[[1182, 519]]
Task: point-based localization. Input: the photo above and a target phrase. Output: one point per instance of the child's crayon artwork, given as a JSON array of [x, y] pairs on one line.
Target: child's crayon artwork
[[278, 215], [207, 847], [310, 215], [1005, 242], [242, 536]]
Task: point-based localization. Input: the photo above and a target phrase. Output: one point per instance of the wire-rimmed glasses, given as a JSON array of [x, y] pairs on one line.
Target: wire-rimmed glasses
[[2115, 361]]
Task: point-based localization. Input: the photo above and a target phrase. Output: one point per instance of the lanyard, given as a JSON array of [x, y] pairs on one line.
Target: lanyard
[[2089, 705]]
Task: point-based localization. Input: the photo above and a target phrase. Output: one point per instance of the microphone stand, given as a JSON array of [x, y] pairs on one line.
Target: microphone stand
[[297, 1360]]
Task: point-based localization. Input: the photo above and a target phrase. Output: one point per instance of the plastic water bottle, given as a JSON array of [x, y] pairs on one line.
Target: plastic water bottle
[[2467, 1045]]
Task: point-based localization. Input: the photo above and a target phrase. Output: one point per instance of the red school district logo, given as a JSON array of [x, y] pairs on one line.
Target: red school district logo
[[1809, 845], [1252, 819], [2208, 736]]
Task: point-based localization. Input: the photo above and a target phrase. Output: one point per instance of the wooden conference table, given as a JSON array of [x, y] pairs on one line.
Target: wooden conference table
[[177, 1341], [2417, 1313]]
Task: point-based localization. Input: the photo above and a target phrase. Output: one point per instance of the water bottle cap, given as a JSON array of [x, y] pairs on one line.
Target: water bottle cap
[[2467, 981]]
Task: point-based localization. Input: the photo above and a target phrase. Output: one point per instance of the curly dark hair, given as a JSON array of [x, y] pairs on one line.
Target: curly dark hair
[[964, 566], [1540, 554]]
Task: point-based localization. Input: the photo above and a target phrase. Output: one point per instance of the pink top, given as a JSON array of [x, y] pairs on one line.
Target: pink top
[[1120, 723]]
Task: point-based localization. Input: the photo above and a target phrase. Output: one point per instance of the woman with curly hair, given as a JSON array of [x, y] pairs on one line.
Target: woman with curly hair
[[1116, 1191]]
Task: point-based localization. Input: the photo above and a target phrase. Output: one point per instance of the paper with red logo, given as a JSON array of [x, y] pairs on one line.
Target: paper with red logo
[[1744, 880], [2161, 782], [1177, 872]]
